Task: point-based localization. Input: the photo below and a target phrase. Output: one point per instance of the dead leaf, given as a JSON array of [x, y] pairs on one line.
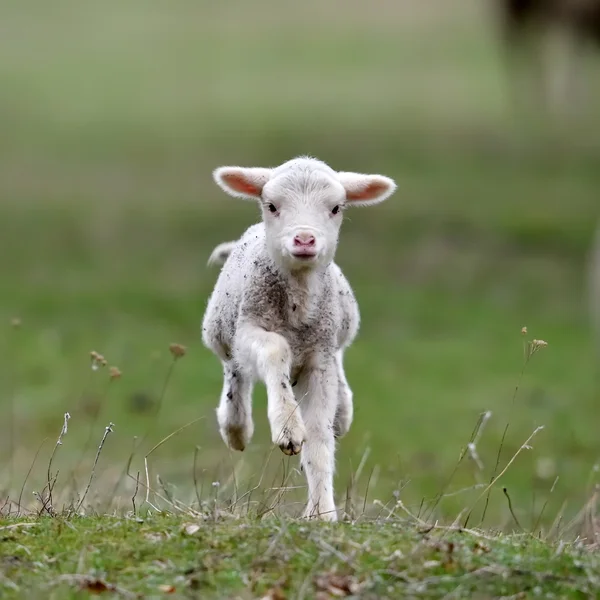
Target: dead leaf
[[275, 593], [191, 528], [337, 585], [96, 586], [167, 589], [479, 548], [93, 585]]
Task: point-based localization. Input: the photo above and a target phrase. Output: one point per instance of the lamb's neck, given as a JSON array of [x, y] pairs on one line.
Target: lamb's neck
[[306, 281], [305, 290]]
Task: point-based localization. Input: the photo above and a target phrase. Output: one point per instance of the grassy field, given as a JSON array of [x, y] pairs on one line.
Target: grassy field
[[276, 560], [113, 117]]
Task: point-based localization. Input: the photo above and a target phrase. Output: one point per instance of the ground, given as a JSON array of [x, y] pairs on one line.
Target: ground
[[275, 560], [114, 116]]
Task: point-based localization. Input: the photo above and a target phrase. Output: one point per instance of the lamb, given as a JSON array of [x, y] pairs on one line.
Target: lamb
[[283, 313]]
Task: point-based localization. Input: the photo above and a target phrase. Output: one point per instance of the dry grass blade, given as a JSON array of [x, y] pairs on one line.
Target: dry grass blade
[[470, 449], [27, 476], [47, 503], [107, 430], [93, 423], [195, 477], [135, 492], [529, 349], [177, 352], [538, 520], [510, 508], [156, 447], [524, 446], [125, 472]]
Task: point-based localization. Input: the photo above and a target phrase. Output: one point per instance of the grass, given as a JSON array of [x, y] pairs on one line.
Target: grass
[[114, 116], [274, 559]]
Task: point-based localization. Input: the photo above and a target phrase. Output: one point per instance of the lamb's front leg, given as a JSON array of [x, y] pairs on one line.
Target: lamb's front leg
[[320, 386], [269, 356]]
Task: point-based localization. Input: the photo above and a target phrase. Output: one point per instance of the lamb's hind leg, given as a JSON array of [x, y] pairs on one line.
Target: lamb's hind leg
[[234, 413], [317, 390], [345, 409]]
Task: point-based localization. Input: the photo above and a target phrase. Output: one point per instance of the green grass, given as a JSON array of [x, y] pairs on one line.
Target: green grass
[[113, 117], [277, 559]]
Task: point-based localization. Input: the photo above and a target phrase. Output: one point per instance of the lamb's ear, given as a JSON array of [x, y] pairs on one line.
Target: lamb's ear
[[364, 190], [242, 182]]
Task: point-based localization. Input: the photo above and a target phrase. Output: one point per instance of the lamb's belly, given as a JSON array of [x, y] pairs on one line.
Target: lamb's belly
[[224, 325]]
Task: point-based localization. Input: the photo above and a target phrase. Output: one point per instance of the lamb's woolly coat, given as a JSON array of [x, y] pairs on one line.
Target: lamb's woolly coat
[[285, 318], [312, 310]]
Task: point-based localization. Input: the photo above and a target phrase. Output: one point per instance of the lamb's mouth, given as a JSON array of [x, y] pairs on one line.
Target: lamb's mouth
[[306, 256]]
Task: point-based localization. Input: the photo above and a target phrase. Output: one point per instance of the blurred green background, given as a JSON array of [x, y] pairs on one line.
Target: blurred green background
[[113, 116]]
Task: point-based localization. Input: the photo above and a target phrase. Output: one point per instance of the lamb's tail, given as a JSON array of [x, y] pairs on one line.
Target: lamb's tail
[[221, 253]]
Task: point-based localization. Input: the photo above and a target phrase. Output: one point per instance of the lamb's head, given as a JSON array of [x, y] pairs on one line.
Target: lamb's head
[[302, 204]]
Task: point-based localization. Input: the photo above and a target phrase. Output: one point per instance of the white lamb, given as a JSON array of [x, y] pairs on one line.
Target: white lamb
[[283, 312]]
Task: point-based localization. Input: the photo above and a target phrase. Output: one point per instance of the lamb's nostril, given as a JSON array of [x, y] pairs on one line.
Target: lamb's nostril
[[304, 240]]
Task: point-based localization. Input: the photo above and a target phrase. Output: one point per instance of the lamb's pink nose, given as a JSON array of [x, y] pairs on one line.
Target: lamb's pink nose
[[304, 240]]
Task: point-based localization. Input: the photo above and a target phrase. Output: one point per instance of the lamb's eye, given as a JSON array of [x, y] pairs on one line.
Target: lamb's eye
[[272, 208], [335, 210]]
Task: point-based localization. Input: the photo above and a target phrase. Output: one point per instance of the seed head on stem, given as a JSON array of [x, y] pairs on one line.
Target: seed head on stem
[[177, 350], [114, 373]]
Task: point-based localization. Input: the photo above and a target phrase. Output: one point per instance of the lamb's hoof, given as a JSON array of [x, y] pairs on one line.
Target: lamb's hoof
[[291, 439], [288, 432], [341, 424], [235, 440], [340, 432], [236, 436], [291, 448]]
